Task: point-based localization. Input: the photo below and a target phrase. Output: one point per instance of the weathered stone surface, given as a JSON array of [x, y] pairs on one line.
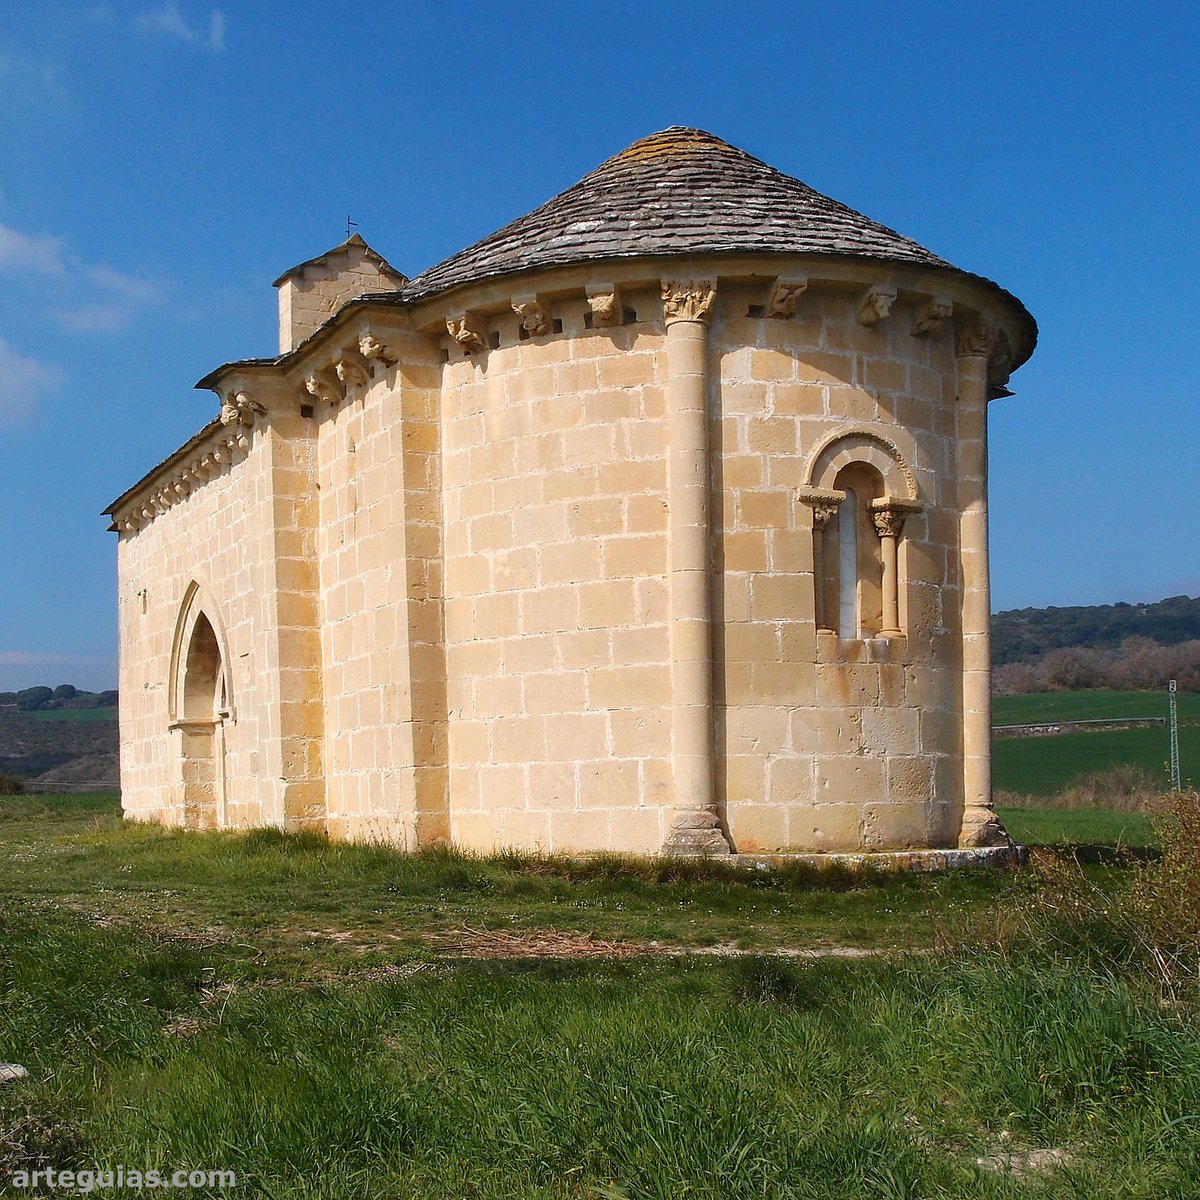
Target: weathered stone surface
[[675, 541]]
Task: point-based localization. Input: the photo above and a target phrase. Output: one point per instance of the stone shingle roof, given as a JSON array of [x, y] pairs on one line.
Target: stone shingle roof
[[681, 191]]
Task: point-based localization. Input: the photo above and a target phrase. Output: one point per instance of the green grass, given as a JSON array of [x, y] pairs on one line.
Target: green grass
[[311, 900], [75, 714], [1087, 705], [272, 1004], [1076, 827], [709, 1080], [1039, 766]]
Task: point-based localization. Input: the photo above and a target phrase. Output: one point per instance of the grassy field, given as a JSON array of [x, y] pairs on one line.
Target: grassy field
[[1088, 705], [76, 714], [1076, 827], [318, 1019], [1040, 765]]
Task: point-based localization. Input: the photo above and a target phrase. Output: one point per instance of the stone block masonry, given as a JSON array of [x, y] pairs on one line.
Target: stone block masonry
[[679, 554]]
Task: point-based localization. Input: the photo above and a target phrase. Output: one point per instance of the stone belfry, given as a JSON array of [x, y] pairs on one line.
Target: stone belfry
[[655, 521]]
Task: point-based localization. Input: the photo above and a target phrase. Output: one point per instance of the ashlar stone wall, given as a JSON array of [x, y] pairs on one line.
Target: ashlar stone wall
[[557, 565]]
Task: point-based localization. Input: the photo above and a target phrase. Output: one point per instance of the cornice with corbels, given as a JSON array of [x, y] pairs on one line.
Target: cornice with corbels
[[333, 376], [212, 458]]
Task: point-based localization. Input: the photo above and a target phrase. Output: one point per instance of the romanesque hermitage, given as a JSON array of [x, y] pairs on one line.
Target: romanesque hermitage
[[654, 522]]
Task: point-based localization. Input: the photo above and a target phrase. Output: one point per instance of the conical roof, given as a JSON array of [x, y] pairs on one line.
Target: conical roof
[[680, 191]]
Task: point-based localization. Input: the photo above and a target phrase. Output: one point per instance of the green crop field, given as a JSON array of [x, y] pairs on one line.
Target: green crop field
[[1088, 705], [75, 714], [1043, 764], [1040, 766]]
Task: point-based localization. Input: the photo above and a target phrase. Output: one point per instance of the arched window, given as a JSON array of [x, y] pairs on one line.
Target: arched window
[[860, 490], [856, 560], [200, 705]]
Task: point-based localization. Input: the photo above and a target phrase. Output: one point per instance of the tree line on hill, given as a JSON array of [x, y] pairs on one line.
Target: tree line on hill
[[66, 695], [1028, 634], [1137, 664], [1122, 646]]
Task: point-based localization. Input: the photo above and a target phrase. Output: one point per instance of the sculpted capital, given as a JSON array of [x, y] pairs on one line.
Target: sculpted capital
[[888, 522], [689, 300]]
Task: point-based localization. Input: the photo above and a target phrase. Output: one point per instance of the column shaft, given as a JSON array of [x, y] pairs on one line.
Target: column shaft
[[891, 591], [696, 827], [979, 826]]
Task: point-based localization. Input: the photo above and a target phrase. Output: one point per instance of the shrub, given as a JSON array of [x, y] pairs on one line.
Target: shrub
[[11, 785], [1160, 910]]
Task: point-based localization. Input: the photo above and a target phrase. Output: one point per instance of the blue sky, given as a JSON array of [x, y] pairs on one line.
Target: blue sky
[[162, 162]]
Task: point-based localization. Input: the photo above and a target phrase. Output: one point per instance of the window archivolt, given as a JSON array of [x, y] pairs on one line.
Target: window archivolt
[[859, 489]]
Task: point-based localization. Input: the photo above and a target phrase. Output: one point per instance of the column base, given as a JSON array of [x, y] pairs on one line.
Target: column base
[[697, 832], [981, 827]]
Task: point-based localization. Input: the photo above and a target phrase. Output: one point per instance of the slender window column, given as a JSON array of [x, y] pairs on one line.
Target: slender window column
[[822, 515], [696, 828], [888, 523], [980, 826]]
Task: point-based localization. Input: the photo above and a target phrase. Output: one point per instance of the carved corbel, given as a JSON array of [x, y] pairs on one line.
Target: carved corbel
[[604, 300], [932, 315], [975, 339], [374, 351], [131, 524], [240, 410], [876, 305], [534, 318], [688, 300], [352, 368], [467, 330], [999, 367], [784, 296], [325, 385]]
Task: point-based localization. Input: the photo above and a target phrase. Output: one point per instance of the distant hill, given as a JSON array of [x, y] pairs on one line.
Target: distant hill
[[64, 698], [1026, 634]]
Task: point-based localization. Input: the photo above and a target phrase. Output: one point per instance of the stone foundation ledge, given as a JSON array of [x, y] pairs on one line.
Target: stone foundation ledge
[[917, 861]]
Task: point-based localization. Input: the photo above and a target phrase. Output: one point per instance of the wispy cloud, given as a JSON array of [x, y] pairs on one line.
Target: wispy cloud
[[169, 21], [36, 252], [22, 381], [87, 297]]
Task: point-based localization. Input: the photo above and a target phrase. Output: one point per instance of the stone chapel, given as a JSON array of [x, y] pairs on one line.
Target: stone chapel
[[655, 522]]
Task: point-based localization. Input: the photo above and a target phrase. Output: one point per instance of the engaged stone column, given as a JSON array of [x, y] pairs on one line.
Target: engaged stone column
[[980, 826], [696, 828], [888, 523]]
